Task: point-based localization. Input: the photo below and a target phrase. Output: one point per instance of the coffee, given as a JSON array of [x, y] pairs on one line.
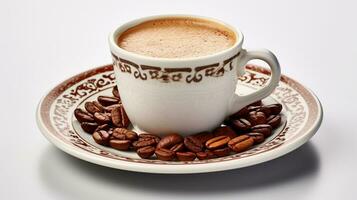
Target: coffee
[[177, 38]]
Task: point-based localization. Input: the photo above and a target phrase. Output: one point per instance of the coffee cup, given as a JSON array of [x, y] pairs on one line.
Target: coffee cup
[[185, 95]]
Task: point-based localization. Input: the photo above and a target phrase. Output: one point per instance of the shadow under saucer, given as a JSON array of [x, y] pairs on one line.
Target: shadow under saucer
[[66, 174]]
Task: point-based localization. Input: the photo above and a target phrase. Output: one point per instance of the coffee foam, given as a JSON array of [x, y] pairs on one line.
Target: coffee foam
[[177, 38]]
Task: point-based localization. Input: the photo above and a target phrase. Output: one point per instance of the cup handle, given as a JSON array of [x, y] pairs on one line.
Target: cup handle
[[237, 101]]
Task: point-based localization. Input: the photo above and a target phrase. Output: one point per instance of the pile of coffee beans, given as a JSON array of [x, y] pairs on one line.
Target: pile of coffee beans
[[107, 121]]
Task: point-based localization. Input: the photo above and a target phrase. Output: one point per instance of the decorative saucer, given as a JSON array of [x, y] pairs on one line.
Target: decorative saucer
[[301, 118]]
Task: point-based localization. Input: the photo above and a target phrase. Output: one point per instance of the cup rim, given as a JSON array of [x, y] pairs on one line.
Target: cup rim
[[122, 28]]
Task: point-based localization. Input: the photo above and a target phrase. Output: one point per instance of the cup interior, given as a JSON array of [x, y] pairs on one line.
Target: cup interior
[[113, 38]]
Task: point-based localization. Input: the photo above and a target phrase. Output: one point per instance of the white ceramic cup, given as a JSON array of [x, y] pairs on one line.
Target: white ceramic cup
[[185, 95]]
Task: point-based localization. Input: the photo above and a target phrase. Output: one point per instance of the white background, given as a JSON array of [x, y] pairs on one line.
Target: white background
[[44, 42]]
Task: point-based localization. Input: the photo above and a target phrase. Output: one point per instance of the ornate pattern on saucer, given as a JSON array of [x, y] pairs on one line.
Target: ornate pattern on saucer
[[302, 116]]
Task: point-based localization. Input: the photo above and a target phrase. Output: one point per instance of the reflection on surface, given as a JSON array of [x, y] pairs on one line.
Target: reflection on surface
[[76, 178]]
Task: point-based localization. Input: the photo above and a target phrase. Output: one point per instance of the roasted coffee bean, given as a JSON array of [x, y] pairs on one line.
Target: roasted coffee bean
[[144, 143], [222, 152], [274, 120], [210, 154], [205, 155], [240, 124], [109, 114], [202, 155], [83, 116], [203, 136], [257, 117], [131, 135], [178, 147], [101, 137], [274, 108], [185, 156], [110, 131], [101, 118], [257, 137], [164, 154], [118, 136], [146, 152], [170, 140], [105, 127], [241, 143], [115, 92], [217, 142], [257, 103], [125, 134], [225, 131], [241, 113], [111, 107], [193, 144], [89, 127], [91, 107], [253, 108], [99, 106], [144, 136], [107, 101], [263, 109], [148, 138], [265, 129], [120, 144], [119, 117]]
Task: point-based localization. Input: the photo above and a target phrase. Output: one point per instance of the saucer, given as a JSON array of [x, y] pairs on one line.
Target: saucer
[[301, 118]]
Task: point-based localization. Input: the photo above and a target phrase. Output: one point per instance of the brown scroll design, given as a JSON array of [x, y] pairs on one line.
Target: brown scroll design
[[167, 75], [208, 70], [90, 86], [230, 61], [137, 71]]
